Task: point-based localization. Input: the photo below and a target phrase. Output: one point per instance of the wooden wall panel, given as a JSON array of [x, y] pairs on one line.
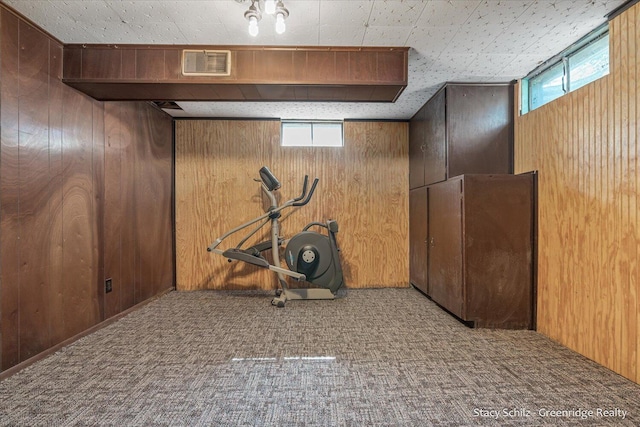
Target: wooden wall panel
[[79, 220], [10, 224], [585, 147], [216, 162], [98, 202], [128, 124], [138, 203], [114, 217], [375, 201], [33, 161], [364, 186], [153, 203], [56, 192], [56, 197]]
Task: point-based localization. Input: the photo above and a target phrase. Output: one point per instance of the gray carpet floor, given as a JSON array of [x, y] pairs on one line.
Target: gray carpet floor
[[385, 357]]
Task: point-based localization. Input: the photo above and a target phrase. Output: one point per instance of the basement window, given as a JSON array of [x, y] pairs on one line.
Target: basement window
[[582, 63], [312, 133]]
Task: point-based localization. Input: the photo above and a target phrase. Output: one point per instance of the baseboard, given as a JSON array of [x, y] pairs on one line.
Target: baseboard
[[46, 353]]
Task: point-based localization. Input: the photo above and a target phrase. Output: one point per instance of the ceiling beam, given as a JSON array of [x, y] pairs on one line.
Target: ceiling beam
[[154, 73]]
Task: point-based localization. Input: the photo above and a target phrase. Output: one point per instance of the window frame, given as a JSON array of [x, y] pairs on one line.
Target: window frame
[[562, 59], [311, 123]]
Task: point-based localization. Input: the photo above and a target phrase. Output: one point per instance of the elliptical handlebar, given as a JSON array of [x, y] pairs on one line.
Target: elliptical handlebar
[[313, 188], [269, 183], [304, 189]]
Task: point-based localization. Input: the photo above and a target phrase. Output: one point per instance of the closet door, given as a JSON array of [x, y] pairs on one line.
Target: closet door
[[479, 129], [435, 139], [416, 150], [445, 245], [418, 238]]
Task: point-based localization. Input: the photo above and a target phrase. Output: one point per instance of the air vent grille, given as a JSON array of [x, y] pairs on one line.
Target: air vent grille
[[206, 62]]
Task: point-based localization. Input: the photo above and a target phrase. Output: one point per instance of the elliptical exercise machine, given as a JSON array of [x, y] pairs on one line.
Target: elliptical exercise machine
[[310, 256]]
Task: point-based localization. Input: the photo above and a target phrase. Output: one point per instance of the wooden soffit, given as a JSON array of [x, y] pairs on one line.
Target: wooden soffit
[[154, 73]]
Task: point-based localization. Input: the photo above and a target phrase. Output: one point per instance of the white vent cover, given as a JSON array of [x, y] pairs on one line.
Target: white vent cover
[[206, 62]]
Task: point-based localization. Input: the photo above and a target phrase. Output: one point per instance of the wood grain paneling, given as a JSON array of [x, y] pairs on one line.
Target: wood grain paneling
[[364, 186], [78, 218], [138, 201], [585, 147], [56, 195], [153, 203], [56, 238], [10, 224], [98, 201], [33, 161], [137, 72], [114, 217], [128, 123]]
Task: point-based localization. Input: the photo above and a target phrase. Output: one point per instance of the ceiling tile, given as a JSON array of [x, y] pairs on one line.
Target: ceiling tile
[[190, 11], [386, 36], [521, 65], [396, 13], [204, 32], [449, 12], [432, 41], [341, 35], [346, 13]]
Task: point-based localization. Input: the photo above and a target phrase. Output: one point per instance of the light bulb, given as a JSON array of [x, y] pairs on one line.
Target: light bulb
[[253, 26], [270, 6], [280, 25]]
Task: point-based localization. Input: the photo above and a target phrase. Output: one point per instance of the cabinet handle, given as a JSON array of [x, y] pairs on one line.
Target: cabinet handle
[[432, 242], [423, 147]]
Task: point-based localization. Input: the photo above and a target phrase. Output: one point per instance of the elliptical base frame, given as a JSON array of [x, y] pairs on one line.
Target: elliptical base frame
[[302, 294]]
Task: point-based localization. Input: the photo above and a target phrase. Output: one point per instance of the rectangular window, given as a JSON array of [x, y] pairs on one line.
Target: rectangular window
[[301, 133], [547, 86], [585, 61], [590, 63]]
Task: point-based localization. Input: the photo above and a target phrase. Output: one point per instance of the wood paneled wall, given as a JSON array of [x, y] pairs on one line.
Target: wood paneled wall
[[85, 194], [138, 221], [585, 146], [364, 186]]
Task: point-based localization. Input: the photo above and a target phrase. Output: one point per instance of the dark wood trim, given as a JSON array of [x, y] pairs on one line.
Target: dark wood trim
[[48, 352], [258, 119], [240, 47], [621, 9]]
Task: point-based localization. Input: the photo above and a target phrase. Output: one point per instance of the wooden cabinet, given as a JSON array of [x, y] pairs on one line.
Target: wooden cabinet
[[462, 129], [418, 238], [427, 148], [444, 239], [480, 248], [475, 217]]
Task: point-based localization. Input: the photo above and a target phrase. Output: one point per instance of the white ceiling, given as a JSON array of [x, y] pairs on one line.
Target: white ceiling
[[450, 40]]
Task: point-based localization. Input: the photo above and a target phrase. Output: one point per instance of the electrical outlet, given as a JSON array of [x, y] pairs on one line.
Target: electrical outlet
[[108, 286]]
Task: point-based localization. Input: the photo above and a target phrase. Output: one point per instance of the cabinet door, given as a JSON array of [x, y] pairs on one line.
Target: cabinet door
[[445, 245], [435, 155], [418, 238], [416, 150], [479, 129]]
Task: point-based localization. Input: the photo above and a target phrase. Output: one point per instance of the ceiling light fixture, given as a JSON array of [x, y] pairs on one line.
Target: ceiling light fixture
[[270, 7]]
